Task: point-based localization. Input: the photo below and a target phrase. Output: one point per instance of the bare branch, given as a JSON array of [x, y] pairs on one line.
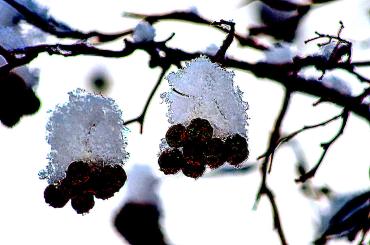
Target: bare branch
[[325, 147], [140, 119], [195, 18], [264, 189], [227, 42], [59, 29]]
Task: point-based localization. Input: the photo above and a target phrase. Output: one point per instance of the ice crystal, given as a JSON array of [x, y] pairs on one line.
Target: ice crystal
[[143, 32], [205, 90], [87, 128]]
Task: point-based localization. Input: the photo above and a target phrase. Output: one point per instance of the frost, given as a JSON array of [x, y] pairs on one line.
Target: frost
[[89, 128], [203, 89], [143, 32], [280, 53]]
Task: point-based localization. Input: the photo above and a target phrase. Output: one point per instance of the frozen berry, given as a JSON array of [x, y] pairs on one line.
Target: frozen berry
[[193, 152], [176, 135], [193, 171], [199, 130], [108, 181], [83, 203], [56, 196], [214, 153], [78, 173], [237, 149], [171, 161]]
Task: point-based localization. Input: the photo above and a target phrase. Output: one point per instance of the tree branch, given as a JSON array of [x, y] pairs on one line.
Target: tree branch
[[325, 147], [195, 18], [59, 29], [264, 189], [140, 119]]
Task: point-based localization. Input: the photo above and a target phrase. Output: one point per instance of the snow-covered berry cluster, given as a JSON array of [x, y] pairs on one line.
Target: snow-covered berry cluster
[[208, 118], [193, 148], [83, 181], [88, 150]]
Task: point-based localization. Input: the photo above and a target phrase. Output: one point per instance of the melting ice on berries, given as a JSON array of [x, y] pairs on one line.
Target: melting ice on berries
[[204, 89], [87, 128]]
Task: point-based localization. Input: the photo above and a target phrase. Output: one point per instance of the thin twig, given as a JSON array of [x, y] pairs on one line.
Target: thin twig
[[59, 29], [264, 189], [195, 18], [140, 119], [325, 146], [220, 55]]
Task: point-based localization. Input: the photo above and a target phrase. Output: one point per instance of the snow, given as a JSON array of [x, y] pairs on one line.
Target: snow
[[206, 90], [143, 32], [142, 185], [89, 128], [280, 53]]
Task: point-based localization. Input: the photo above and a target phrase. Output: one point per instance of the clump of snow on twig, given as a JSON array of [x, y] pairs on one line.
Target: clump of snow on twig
[[280, 53], [204, 89], [87, 128], [143, 32]]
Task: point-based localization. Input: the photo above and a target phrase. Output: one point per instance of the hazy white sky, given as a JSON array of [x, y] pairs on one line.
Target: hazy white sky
[[206, 211]]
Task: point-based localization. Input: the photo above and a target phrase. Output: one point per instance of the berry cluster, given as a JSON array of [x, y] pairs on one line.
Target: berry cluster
[[16, 99], [83, 181], [193, 148]]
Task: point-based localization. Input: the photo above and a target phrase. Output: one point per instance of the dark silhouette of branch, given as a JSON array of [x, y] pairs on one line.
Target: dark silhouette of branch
[[283, 5], [325, 147], [195, 18], [284, 74], [59, 29], [227, 42], [264, 189], [140, 119]]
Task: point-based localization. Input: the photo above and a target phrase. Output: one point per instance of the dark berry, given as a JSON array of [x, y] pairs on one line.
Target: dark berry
[[140, 224], [78, 173], [176, 135], [193, 171], [171, 161], [193, 152], [83, 203], [16, 99], [199, 130], [108, 181], [33, 103], [56, 196], [214, 153], [237, 149]]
